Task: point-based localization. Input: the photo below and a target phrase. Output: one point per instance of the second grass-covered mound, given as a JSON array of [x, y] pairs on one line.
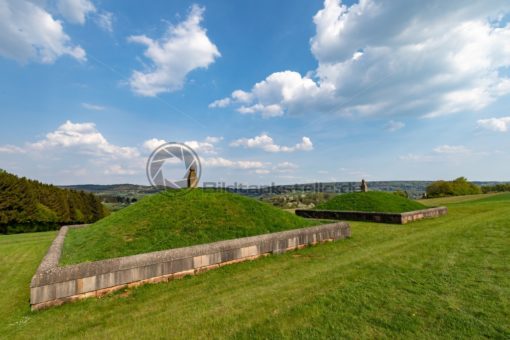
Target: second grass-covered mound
[[374, 201], [162, 221]]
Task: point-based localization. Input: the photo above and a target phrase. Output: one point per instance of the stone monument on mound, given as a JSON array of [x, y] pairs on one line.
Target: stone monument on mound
[[192, 177], [364, 186]]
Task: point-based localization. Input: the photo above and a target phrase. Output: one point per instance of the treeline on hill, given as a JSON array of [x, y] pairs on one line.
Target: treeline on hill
[[457, 187], [496, 188], [27, 205]]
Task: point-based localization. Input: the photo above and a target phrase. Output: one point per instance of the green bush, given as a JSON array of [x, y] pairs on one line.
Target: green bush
[[458, 187], [401, 193]]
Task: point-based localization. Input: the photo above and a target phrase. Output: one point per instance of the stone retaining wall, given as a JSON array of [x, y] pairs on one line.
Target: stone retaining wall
[[381, 217], [53, 284]]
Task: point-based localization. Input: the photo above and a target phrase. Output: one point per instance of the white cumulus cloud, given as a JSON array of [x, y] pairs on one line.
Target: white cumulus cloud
[[119, 170], [207, 146], [199, 147], [393, 57], [452, 149], [266, 143], [105, 21], [234, 164], [93, 107], [283, 167], [75, 11], [84, 137], [30, 33], [278, 93], [11, 149], [153, 143], [394, 125], [501, 124], [183, 48], [213, 139], [220, 103]]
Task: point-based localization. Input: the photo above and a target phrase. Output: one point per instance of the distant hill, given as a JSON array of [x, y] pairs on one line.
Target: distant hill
[[27, 205], [125, 193], [132, 190], [414, 189], [102, 188], [116, 196], [164, 221], [371, 201]]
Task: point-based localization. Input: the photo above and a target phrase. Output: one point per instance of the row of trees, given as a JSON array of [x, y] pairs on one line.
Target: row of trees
[[457, 187], [26, 203], [119, 199], [496, 188]]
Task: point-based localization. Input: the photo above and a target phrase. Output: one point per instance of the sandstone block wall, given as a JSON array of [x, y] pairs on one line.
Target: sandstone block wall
[[53, 284], [381, 217]]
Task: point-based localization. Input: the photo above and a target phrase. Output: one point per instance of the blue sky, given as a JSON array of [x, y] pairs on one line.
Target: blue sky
[[265, 91]]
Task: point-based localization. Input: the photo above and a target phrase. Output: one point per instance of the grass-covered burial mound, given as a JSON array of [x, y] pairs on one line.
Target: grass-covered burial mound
[[162, 221], [375, 201]]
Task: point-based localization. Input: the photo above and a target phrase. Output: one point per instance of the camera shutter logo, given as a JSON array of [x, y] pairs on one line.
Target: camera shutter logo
[[174, 152]]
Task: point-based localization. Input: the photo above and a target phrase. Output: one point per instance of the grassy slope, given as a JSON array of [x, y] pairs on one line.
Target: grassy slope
[[371, 201], [161, 222], [439, 278], [432, 202]]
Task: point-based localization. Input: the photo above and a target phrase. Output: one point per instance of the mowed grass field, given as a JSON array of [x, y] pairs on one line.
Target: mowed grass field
[[439, 278], [431, 202]]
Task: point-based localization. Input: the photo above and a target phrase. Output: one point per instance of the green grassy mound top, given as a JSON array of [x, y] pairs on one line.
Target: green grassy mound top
[[160, 221], [371, 201]]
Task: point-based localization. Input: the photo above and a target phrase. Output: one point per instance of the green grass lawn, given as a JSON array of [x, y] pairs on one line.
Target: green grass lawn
[[439, 278], [371, 201], [162, 221], [432, 202]]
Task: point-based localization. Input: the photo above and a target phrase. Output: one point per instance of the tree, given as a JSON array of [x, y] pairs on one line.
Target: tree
[[27, 204], [457, 187]]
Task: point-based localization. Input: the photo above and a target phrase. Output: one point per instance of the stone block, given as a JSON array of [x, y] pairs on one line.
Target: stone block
[[52, 285]]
